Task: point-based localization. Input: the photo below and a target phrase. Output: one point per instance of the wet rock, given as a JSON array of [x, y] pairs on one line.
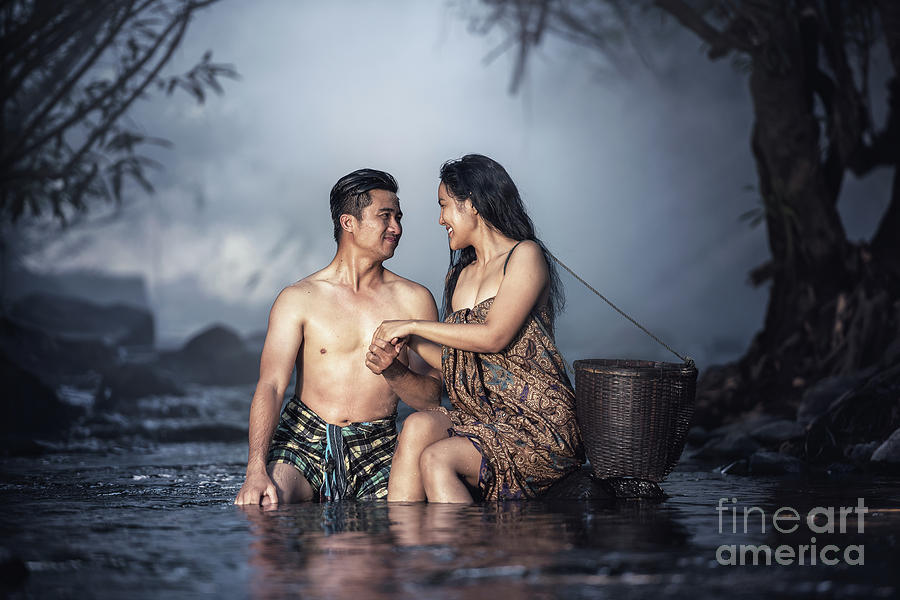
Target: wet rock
[[861, 452], [737, 467], [764, 462], [583, 485], [13, 570], [15, 444], [114, 427], [215, 339], [796, 448], [30, 407], [733, 445], [745, 425], [215, 356], [778, 431], [627, 488], [76, 319], [888, 453], [697, 436], [819, 397], [124, 384], [211, 432], [870, 411], [577, 485], [91, 285], [837, 469], [31, 411], [55, 360]]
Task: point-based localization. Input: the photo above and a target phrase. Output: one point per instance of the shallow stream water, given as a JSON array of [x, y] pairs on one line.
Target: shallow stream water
[[128, 508]]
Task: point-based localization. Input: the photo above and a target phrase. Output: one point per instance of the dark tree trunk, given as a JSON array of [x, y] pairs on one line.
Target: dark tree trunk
[[886, 241], [805, 234], [834, 306]]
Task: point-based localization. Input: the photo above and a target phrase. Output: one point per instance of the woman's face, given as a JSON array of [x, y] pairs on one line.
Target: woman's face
[[459, 218]]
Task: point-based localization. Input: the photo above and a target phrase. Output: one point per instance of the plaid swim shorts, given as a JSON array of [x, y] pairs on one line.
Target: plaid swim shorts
[[340, 463]]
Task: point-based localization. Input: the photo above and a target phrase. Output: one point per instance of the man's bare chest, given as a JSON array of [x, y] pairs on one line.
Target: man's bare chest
[[338, 325]]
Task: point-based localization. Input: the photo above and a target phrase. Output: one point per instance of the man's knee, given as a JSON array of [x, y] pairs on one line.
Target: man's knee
[[290, 484]]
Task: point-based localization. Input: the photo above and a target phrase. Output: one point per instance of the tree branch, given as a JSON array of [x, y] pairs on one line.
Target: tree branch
[[15, 46], [720, 43], [114, 116], [34, 57], [68, 85], [120, 84]]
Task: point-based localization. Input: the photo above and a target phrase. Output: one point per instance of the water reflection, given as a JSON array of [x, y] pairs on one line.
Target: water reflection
[[163, 524], [375, 550]]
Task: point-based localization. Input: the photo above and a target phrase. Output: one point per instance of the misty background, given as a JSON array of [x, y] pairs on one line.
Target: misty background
[[635, 178]]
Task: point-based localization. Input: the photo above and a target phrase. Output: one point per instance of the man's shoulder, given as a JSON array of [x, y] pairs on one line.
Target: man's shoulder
[[300, 292], [407, 286], [415, 297]]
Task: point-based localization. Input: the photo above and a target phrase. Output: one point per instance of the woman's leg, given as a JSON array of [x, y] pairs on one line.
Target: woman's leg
[[443, 463], [420, 430]]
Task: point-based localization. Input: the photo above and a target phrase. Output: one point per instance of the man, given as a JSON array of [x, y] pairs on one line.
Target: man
[[336, 436]]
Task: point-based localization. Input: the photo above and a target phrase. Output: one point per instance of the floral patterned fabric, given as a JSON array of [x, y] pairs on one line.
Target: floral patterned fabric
[[516, 406]]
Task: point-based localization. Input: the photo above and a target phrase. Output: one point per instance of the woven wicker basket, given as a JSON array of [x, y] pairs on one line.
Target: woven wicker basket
[[634, 415]]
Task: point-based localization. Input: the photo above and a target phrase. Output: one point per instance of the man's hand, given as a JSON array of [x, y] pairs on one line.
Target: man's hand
[[257, 487], [381, 355]]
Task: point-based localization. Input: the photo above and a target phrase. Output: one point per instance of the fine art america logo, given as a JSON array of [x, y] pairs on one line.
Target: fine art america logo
[[819, 520]]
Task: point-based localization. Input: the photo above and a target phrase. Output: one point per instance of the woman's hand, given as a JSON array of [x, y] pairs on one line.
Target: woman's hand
[[393, 331]]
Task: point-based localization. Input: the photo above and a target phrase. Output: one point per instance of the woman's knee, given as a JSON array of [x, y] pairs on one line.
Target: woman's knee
[[432, 459], [422, 428]]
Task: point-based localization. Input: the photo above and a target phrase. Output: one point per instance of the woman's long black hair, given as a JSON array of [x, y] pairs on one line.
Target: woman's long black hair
[[486, 183]]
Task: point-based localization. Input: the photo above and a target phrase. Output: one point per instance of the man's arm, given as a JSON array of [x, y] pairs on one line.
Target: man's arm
[[416, 384], [283, 339]]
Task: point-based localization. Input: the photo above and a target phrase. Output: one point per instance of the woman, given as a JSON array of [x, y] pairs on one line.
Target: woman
[[512, 430]]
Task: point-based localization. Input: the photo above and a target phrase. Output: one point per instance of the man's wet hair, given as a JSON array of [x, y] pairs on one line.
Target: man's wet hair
[[350, 195]]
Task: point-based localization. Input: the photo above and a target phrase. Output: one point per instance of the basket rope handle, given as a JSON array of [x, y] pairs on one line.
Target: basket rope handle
[[686, 359]]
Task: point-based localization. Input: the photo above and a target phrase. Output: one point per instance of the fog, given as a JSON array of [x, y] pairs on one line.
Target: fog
[[635, 179]]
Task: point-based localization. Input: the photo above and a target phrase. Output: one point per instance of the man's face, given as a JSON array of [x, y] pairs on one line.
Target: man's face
[[380, 229]]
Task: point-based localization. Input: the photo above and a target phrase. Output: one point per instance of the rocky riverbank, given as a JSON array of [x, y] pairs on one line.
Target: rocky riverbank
[[66, 362], [840, 424]]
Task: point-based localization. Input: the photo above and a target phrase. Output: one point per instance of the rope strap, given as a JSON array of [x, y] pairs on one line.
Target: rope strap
[[686, 359]]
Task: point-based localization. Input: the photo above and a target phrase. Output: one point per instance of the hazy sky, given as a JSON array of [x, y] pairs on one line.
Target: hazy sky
[[636, 182]]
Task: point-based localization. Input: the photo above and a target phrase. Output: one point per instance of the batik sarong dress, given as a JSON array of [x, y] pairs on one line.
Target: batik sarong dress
[[516, 406]]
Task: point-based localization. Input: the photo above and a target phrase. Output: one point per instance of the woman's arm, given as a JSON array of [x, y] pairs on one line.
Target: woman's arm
[[526, 277], [427, 351], [415, 381]]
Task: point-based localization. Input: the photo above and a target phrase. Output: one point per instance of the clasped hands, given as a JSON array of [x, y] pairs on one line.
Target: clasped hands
[[387, 342]]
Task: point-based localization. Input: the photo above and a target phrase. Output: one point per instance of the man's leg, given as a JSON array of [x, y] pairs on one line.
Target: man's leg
[[443, 463], [290, 484], [420, 430]]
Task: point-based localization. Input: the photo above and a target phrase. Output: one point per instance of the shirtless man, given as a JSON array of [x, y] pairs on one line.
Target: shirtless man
[[336, 436]]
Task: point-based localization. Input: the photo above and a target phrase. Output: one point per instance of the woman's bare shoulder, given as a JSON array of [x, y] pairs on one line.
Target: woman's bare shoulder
[[526, 253]]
